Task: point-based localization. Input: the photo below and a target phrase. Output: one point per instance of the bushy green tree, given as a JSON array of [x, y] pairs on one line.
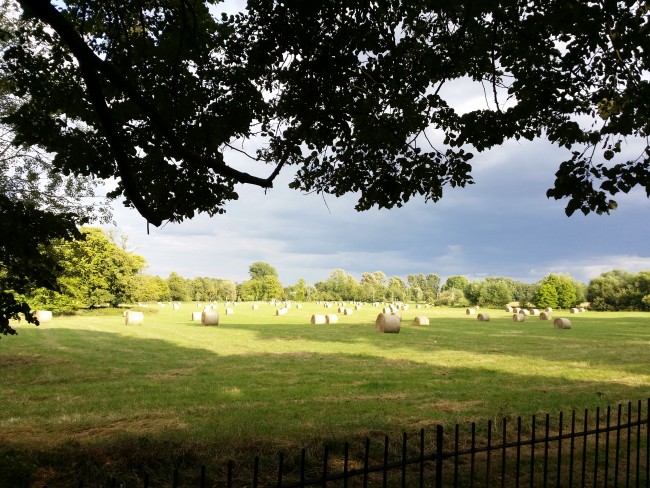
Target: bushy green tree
[[546, 296], [180, 289], [260, 269]]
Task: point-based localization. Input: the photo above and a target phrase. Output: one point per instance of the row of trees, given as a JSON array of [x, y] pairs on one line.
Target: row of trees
[[97, 270]]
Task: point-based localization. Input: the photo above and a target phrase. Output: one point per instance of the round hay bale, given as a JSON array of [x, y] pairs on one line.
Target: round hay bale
[[328, 305], [523, 311], [298, 305], [545, 316], [534, 311], [357, 307], [230, 311], [561, 324], [405, 307], [420, 320], [483, 317], [331, 318], [255, 306], [518, 317], [508, 309], [573, 310], [418, 306], [347, 311], [196, 315], [341, 310], [281, 311], [581, 309], [210, 317], [516, 309], [176, 306], [386, 310], [43, 316], [318, 319], [470, 311], [133, 318], [389, 324], [548, 309]]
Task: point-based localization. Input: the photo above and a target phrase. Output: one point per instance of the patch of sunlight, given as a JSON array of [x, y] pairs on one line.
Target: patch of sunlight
[[233, 391]]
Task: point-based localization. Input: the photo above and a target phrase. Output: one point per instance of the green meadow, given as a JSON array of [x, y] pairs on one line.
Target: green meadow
[[87, 394]]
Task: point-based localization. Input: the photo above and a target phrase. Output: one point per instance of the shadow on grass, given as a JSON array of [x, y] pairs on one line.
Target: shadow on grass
[[78, 401]]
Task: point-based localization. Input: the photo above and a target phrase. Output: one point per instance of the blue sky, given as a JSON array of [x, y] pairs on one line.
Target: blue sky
[[503, 225]]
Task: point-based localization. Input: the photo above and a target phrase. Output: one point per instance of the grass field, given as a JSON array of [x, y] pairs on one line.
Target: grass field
[[87, 393]]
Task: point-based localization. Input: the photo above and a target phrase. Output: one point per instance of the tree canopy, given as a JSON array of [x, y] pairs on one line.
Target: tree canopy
[[160, 93]]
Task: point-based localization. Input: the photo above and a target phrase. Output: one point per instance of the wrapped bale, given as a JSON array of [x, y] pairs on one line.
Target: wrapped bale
[[581, 309], [483, 317], [470, 311], [347, 311], [331, 318], [386, 310], [210, 317], [255, 306], [523, 311], [196, 315], [357, 307], [518, 317], [318, 319], [281, 311], [562, 324], [548, 309], [420, 320], [573, 310], [177, 306], [133, 318], [545, 316], [509, 309], [230, 311], [534, 311], [389, 324], [298, 305], [43, 316]]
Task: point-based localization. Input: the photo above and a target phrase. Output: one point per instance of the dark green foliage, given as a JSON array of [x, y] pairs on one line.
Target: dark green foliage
[[156, 93]]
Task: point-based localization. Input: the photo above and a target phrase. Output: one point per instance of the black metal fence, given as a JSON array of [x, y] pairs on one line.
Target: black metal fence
[[605, 449]]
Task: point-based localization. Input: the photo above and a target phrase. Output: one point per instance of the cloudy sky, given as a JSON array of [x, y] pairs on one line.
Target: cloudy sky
[[503, 225]]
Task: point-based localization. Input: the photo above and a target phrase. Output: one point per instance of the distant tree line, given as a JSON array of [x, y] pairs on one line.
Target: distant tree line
[[97, 270]]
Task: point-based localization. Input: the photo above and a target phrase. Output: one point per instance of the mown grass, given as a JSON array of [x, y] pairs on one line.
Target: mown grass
[[175, 391]]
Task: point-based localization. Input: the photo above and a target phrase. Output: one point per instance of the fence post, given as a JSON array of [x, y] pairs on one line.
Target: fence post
[[439, 447]]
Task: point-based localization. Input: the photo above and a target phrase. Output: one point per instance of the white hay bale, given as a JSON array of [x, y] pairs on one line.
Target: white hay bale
[[518, 317], [318, 319], [405, 307], [198, 305], [133, 318], [210, 317], [388, 323], [420, 320], [548, 309], [523, 311], [230, 311], [581, 309], [341, 310], [196, 315], [234, 304], [298, 305], [43, 316], [470, 311], [281, 311], [534, 311], [207, 308], [573, 310], [545, 316], [357, 307], [255, 306], [508, 309], [347, 311], [328, 305], [418, 306], [176, 306], [561, 324], [483, 317], [386, 310], [331, 318], [516, 309]]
